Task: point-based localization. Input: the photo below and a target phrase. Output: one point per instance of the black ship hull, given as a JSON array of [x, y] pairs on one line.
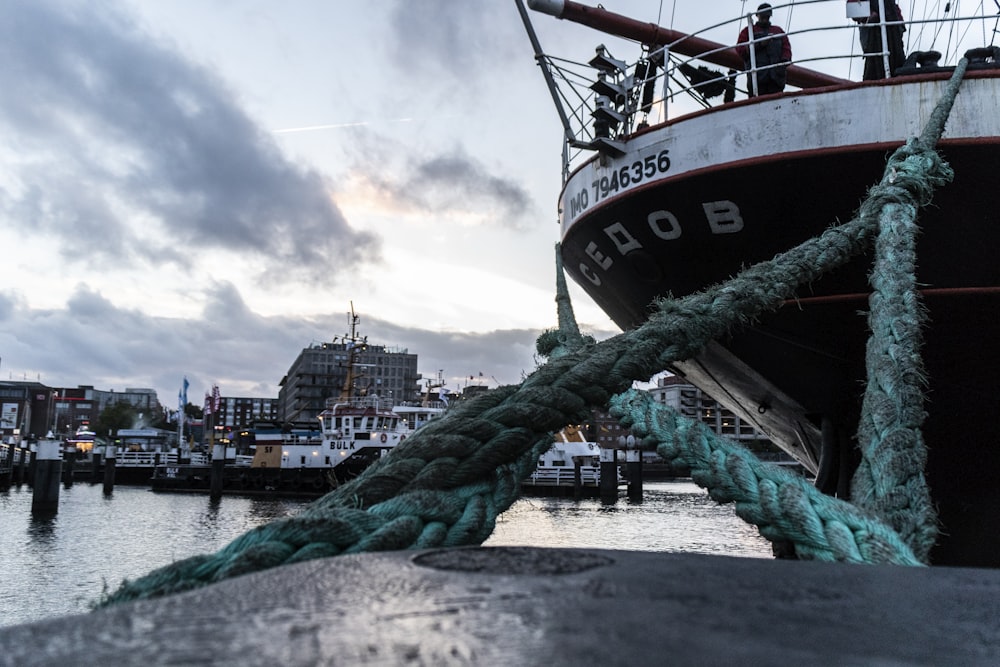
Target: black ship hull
[[798, 373]]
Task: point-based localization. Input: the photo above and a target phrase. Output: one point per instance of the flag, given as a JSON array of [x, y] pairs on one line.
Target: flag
[[443, 396], [207, 409], [182, 395]]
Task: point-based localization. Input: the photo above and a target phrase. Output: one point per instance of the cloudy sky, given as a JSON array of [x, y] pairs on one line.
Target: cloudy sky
[[202, 188]]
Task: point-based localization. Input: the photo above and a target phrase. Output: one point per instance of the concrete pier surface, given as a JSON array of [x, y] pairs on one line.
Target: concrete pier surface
[[551, 607]]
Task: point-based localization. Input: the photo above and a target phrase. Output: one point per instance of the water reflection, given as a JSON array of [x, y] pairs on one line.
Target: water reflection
[[61, 565], [673, 517], [42, 530]]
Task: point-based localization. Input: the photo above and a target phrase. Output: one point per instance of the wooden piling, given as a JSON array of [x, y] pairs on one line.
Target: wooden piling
[[96, 471], [32, 462], [609, 476], [45, 480], [9, 463], [110, 457], [69, 462], [633, 467], [23, 468], [218, 471]]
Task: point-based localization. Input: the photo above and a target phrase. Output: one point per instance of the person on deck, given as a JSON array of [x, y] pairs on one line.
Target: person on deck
[[870, 34], [772, 53]]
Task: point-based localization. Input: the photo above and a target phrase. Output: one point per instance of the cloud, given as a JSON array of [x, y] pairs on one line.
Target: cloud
[[93, 342], [8, 302], [121, 149], [447, 183], [464, 40]]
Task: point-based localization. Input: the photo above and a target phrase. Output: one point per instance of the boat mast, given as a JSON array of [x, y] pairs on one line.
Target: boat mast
[[678, 42], [352, 344]]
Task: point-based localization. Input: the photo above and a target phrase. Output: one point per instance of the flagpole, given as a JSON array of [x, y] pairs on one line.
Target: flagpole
[[181, 400]]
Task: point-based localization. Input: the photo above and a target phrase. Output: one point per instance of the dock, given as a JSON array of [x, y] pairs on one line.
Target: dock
[[532, 606]]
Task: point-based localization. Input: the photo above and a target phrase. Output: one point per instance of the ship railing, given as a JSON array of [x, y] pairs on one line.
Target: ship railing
[[195, 459], [606, 100], [243, 460], [373, 401], [128, 459], [563, 476], [7, 461]]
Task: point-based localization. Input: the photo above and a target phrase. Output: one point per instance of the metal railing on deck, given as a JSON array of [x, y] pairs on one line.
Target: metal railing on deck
[[564, 476], [605, 100]]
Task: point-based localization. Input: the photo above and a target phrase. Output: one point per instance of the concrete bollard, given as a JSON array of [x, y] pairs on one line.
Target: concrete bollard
[[110, 456], [48, 466], [609, 476], [218, 471]]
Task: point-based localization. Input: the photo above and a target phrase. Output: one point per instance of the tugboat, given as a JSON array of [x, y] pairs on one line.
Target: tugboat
[[664, 198], [355, 430]]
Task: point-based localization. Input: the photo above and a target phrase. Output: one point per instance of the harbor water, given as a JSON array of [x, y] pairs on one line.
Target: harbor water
[[60, 566]]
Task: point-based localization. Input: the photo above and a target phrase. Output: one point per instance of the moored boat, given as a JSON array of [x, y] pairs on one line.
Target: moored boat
[[353, 434], [662, 198], [570, 467], [355, 430]]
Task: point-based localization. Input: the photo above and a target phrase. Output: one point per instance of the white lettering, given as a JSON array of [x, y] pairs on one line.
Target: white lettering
[[590, 275], [620, 236], [723, 216], [603, 261], [671, 231]]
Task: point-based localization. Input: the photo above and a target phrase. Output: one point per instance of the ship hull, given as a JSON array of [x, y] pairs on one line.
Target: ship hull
[[712, 193], [248, 481]]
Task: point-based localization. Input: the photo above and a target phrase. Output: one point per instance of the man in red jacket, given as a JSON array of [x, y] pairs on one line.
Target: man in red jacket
[[772, 53]]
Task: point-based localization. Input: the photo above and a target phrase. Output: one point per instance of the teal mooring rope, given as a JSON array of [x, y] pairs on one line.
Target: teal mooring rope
[[446, 485]]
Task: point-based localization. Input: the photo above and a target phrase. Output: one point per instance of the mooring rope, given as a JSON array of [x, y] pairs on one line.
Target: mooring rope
[[890, 479], [783, 505], [445, 485]]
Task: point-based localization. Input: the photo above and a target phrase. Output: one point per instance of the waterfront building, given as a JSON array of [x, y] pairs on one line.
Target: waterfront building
[[320, 370], [235, 417], [34, 409], [236, 412], [25, 408]]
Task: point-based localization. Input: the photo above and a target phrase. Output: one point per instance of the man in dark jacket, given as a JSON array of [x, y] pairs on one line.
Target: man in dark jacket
[[772, 53], [870, 34]]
